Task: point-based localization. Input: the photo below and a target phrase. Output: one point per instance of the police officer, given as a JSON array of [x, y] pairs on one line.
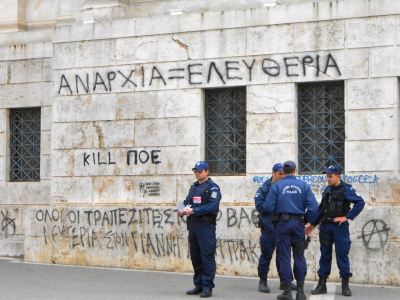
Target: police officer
[[333, 214], [204, 197], [288, 201], [268, 237]]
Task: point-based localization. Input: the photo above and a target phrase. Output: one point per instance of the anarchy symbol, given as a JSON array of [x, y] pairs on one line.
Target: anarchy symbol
[[375, 234], [7, 222]]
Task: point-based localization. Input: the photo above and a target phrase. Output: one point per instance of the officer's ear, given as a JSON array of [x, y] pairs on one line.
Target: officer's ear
[[207, 171]]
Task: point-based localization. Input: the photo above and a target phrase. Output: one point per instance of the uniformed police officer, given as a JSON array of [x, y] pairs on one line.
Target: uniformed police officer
[[333, 214], [268, 236], [204, 197], [288, 201]]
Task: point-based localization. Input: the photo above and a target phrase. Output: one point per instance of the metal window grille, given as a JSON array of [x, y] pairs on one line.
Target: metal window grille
[[321, 126], [225, 111], [25, 144]]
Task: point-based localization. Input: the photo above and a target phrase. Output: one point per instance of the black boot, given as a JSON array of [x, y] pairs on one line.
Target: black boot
[[300, 291], [294, 287], [206, 293], [321, 287], [197, 290], [345, 286], [263, 287], [287, 292]]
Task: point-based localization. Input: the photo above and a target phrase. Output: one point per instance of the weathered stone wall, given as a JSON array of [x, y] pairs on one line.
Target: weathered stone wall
[[155, 238], [26, 83], [22, 15], [121, 131]]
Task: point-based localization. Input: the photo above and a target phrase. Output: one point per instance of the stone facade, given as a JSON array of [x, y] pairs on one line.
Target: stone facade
[[101, 73]]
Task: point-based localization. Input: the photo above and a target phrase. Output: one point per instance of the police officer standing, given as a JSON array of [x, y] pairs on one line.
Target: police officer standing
[[333, 214], [204, 197], [288, 200], [268, 236]]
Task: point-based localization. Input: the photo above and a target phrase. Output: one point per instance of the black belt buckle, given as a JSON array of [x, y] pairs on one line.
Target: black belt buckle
[[329, 221], [286, 217]]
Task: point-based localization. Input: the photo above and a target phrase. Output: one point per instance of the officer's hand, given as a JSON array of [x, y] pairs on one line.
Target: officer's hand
[[181, 213], [309, 228], [188, 211], [340, 220]]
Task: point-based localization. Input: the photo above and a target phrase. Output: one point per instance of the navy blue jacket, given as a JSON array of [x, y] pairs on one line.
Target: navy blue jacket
[[210, 191], [292, 196], [259, 199], [350, 195]]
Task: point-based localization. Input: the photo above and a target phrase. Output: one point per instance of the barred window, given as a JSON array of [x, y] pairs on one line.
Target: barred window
[[25, 144], [225, 111], [321, 126]]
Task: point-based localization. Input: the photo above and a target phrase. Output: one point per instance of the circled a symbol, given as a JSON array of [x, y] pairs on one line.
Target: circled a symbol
[[375, 234]]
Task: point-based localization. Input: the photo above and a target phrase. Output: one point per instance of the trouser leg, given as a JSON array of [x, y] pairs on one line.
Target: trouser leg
[[268, 243], [207, 243], [195, 255], [283, 247], [277, 263], [300, 264], [342, 246], [326, 241]]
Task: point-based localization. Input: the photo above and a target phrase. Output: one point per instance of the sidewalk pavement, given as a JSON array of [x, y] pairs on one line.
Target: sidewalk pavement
[[28, 281]]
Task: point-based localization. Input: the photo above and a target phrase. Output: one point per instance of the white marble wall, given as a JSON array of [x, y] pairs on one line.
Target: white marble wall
[[26, 83], [87, 137]]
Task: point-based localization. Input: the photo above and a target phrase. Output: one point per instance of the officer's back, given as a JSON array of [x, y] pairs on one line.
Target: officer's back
[[292, 196], [288, 200]]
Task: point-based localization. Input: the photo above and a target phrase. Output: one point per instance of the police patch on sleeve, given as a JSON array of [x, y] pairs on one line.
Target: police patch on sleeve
[[214, 195]]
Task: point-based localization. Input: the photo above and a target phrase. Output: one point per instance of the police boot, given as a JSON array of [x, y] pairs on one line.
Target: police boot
[[294, 287], [206, 293], [263, 287], [321, 286], [300, 291], [197, 290], [287, 292], [345, 286]]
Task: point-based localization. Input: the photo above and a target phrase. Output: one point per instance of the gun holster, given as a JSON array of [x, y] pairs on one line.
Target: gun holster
[[259, 223], [307, 241], [213, 219]]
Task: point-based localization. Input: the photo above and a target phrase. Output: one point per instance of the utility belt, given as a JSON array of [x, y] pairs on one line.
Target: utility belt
[[212, 218], [288, 217], [325, 221]]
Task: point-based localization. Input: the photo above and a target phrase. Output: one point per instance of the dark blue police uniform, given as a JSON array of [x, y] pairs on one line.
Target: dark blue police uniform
[[288, 199], [205, 199], [268, 236], [331, 232]]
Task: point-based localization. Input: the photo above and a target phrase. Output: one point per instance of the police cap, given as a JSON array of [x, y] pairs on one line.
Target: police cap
[[289, 164], [201, 165], [277, 167], [334, 169]]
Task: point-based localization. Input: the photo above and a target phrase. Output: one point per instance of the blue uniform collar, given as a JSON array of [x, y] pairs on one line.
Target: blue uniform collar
[[289, 177], [336, 187], [208, 181]]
